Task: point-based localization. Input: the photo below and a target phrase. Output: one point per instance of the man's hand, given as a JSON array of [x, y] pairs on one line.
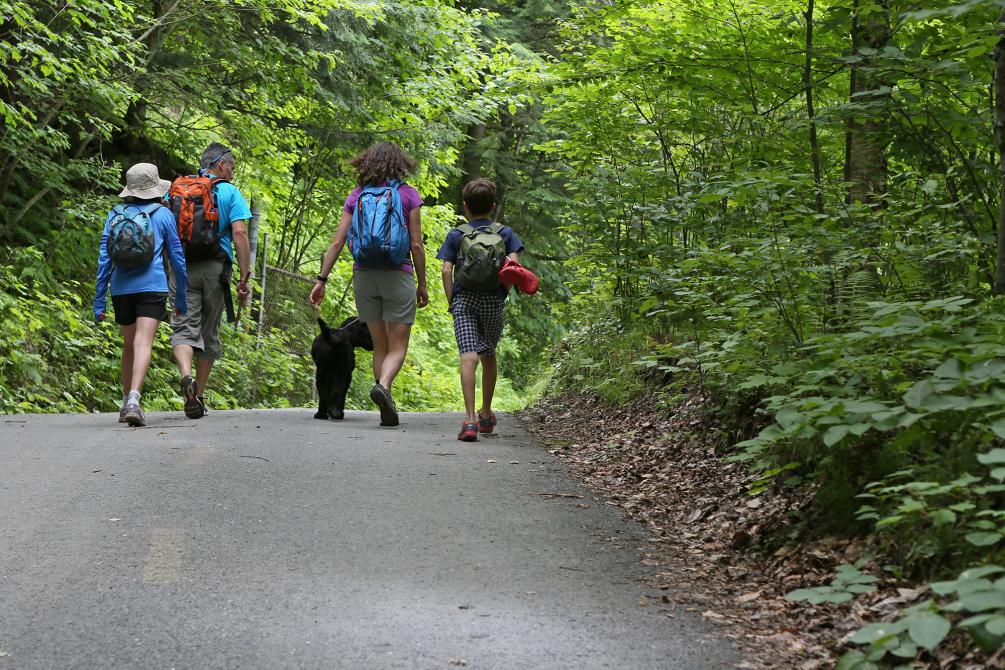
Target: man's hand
[[317, 294], [101, 316], [422, 296], [243, 291]]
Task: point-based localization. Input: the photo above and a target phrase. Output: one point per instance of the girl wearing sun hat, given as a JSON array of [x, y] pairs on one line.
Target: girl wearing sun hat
[[136, 236]]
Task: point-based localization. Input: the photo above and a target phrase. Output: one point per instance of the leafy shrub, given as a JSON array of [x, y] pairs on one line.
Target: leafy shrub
[[973, 603], [848, 583], [55, 358]]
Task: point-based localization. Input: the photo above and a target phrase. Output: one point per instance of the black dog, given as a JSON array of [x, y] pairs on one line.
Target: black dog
[[335, 359]]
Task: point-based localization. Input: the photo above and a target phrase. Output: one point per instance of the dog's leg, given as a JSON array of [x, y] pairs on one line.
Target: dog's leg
[[323, 384], [339, 391]]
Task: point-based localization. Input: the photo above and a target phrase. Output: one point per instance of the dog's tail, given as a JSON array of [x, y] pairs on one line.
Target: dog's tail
[[326, 331]]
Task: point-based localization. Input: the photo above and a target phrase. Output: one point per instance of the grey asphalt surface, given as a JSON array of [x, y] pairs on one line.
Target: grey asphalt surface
[[268, 539]]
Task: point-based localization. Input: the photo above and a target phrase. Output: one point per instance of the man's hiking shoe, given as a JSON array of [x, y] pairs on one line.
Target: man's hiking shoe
[[189, 390], [382, 397], [486, 423], [202, 403], [133, 414], [469, 433]]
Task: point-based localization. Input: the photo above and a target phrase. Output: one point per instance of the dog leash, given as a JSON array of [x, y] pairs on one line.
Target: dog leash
[[352, 322]]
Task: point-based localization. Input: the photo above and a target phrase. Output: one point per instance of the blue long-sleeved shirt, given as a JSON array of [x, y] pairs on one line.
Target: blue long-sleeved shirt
[[151, 277]]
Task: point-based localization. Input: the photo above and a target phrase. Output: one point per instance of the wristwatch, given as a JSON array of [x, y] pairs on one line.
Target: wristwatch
[[321, 279]]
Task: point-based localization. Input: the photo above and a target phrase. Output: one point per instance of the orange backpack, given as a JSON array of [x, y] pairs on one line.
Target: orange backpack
[[193, 203]]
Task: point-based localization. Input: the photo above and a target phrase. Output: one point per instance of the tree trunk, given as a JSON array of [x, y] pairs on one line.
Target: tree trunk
[[865, 168], [999, 91], [810, 113], [471, 160]]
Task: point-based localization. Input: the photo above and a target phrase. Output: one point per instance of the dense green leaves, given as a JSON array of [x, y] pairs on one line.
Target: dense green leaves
[[295, 87], [829, 291]]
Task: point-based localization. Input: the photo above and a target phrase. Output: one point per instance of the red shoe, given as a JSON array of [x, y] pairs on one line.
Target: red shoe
[[486, 423], [512, 273], [469, 433]]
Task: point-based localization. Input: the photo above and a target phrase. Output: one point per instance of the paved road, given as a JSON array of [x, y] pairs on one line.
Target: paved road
[[267, 539]]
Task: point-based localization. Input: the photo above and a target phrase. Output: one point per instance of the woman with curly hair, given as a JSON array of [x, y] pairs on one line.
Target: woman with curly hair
[[386, 297]]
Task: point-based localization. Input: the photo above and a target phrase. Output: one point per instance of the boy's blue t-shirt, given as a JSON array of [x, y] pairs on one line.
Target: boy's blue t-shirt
[[452, 247], [150, 278], [233, 207]]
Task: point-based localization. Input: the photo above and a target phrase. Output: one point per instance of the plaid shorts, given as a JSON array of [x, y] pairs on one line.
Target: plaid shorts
[[478, 321]]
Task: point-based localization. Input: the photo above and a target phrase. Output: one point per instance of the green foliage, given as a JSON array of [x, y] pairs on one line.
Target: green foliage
[[55, 358], [918, 628], [296, 88], [973, 603], [848, 583], [829, 292]]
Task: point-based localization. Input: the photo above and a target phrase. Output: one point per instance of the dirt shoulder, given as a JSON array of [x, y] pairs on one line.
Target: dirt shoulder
[[729, 548]]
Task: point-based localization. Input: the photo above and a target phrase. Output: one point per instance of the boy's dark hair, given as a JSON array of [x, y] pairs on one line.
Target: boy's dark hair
[[382, 161], [480, 196], [215, 153]]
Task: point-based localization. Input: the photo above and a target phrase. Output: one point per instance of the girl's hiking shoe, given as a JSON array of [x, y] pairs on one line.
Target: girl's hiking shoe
[[388, 412], [469, 433], [190, 390], [122, 413], [133, 414], [486, 423]]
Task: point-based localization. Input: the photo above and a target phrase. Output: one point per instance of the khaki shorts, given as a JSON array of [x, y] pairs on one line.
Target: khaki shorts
[[384, 295], [199, 328]]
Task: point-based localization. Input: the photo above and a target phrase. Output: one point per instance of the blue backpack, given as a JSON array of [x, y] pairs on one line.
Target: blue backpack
[[378, 234], [131, 236]]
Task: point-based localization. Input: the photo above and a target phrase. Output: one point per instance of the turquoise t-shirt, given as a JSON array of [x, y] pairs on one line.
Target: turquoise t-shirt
[[233, 207]]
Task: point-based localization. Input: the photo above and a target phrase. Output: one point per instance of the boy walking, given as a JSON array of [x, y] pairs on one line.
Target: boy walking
[[472, 255]]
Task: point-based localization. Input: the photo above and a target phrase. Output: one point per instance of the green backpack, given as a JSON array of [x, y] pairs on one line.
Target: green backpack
[[481, 256]]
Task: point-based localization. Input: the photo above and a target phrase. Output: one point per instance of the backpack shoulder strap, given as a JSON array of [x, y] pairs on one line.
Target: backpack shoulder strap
[[466, 228], [495, 227], [150, 208]]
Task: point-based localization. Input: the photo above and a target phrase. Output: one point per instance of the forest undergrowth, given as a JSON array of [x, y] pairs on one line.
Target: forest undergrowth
[[55, 358], [816, 506], [723, 554]]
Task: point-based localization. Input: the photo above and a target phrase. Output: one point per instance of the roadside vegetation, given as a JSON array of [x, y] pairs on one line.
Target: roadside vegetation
[[793, 211]]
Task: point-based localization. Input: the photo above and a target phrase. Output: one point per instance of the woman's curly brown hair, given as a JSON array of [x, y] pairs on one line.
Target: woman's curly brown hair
[[382, 161]]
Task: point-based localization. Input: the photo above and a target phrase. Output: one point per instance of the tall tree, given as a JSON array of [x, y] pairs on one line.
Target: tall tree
[[999, 126], [866, 160]]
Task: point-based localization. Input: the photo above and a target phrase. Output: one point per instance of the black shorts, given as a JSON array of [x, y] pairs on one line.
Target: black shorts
[[131, 305]]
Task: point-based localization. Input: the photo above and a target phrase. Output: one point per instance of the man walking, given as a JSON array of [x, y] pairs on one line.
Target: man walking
[[210, 234]]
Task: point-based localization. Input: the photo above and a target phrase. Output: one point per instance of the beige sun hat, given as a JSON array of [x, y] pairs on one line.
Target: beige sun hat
[[143, 181]]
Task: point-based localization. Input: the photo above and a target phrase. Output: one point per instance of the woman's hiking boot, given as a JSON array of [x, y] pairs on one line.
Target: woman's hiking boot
[[469, 433], [486, 423], [133, 413], [190, 390], [388, 412]]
